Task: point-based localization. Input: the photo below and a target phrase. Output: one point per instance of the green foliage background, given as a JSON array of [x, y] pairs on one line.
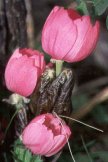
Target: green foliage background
[[94, 8]]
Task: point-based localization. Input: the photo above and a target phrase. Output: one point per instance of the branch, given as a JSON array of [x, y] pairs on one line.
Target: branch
[[84, 110]]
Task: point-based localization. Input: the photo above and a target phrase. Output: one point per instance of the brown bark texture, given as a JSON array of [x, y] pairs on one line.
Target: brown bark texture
[[12, 27]]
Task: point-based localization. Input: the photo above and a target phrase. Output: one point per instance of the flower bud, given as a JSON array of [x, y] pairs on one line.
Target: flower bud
[[45, 135], [68, 36], [23, 70]]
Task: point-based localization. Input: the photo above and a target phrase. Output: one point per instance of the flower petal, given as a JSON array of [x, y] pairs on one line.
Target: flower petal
[[83, 26], [23, 70], [58, 28], [87, 45], [37, 138], [59, 142], [40, 138], [21, 76]]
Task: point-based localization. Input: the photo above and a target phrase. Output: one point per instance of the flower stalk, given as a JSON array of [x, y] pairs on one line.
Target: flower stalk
[[59, 65]]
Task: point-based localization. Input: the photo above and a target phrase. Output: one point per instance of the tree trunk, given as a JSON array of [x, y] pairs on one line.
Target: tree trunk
[[12, 27]]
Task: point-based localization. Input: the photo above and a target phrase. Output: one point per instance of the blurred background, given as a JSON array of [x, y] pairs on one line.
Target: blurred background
[[90, 94]]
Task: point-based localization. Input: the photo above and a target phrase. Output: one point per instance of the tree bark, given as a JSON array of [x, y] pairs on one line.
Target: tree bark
[[12, 27]]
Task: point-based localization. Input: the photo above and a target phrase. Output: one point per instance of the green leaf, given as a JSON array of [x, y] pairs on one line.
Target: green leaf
[[21, 154], [82, 8], [65, 158], [107, 22], [18, 150], [100, 6], [81, 158], [102, 155], [100, 114], [36, 159], [27, 156], [79, 100], [78, 158]]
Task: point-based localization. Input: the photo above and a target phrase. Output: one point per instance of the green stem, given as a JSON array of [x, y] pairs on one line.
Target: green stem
[[59, 65], [85, 147], [7, 128], [18, 102]]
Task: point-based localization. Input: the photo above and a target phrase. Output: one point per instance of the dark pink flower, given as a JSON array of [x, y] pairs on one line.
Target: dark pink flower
[[68, 36], [23, 70], [45, 135]]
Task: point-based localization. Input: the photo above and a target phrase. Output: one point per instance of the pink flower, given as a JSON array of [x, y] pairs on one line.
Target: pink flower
[[23, 70], [68, 36], [45, 135]]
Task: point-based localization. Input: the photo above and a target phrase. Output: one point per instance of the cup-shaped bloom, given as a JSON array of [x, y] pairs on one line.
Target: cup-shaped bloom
[[23, 70], [45, 135], [68, 36]]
